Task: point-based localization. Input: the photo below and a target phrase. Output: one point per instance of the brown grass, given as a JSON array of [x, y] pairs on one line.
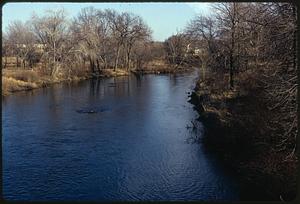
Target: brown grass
[[12, 85], [111, 72], [14, 80], [22, 75]]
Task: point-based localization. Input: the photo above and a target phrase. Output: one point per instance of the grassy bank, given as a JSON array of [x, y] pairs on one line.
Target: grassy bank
[[14, 80], [236, 130]]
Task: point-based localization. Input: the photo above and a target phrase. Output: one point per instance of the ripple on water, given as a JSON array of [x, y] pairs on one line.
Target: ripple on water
[[133, 149]]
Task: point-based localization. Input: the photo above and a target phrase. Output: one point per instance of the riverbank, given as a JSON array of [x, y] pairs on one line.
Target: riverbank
[[23, 80], [161, 67], [236, 130], [160, 70]]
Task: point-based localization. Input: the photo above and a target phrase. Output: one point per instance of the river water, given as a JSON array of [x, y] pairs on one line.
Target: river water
[[115, 139]]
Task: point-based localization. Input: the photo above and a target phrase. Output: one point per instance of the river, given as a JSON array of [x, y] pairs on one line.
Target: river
[[114, 139]]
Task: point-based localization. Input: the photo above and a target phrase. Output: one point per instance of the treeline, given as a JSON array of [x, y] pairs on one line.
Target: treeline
[[94, 39], [257, 39], [243, 36], [250, 49]]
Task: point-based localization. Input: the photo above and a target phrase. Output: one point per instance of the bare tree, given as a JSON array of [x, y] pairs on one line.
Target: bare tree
[[141, 54], [21, 40], [5, 49], [227, 15], [203, 31], [176, 48], [52, 31], [136, 30]]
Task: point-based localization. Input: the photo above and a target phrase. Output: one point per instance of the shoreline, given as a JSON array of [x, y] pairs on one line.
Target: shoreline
[[23, 86], [231, 133]]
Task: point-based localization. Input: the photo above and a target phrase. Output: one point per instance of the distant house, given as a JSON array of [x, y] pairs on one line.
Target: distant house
[[36, 45], [193, 49], [188, 47], [20, 45], [39, 47], [196, 51]]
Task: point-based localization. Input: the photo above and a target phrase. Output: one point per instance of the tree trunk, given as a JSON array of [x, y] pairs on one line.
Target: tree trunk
[[231, 60], [231, 73], [231, 65], [128, 58], [117, 58], [53, 73], [295, 39], [83, 64], [24, 63], [98, 66], [17, 61], [92, 66], [128, 62], [231, 70], [105, 63]]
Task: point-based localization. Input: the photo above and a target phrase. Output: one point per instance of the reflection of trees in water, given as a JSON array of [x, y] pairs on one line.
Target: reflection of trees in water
[[55, 93], [118, 86], [173, 78], [94, 86], [138, 80], [121, 86], [98, 86], [128, 85], [4, 100]]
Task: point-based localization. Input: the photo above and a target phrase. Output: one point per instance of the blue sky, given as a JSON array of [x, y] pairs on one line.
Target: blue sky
[[164, 19]]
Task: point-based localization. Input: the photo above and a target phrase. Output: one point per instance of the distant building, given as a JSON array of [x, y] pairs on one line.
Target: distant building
[[40, 46], [36, 45], [191, 48], [20, 45]]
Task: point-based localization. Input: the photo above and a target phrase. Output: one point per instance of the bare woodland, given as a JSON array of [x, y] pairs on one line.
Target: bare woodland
[[251, 52], [104, 39], [257, 39]]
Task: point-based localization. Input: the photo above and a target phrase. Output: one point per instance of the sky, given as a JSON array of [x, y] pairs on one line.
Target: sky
[[165, 19]]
